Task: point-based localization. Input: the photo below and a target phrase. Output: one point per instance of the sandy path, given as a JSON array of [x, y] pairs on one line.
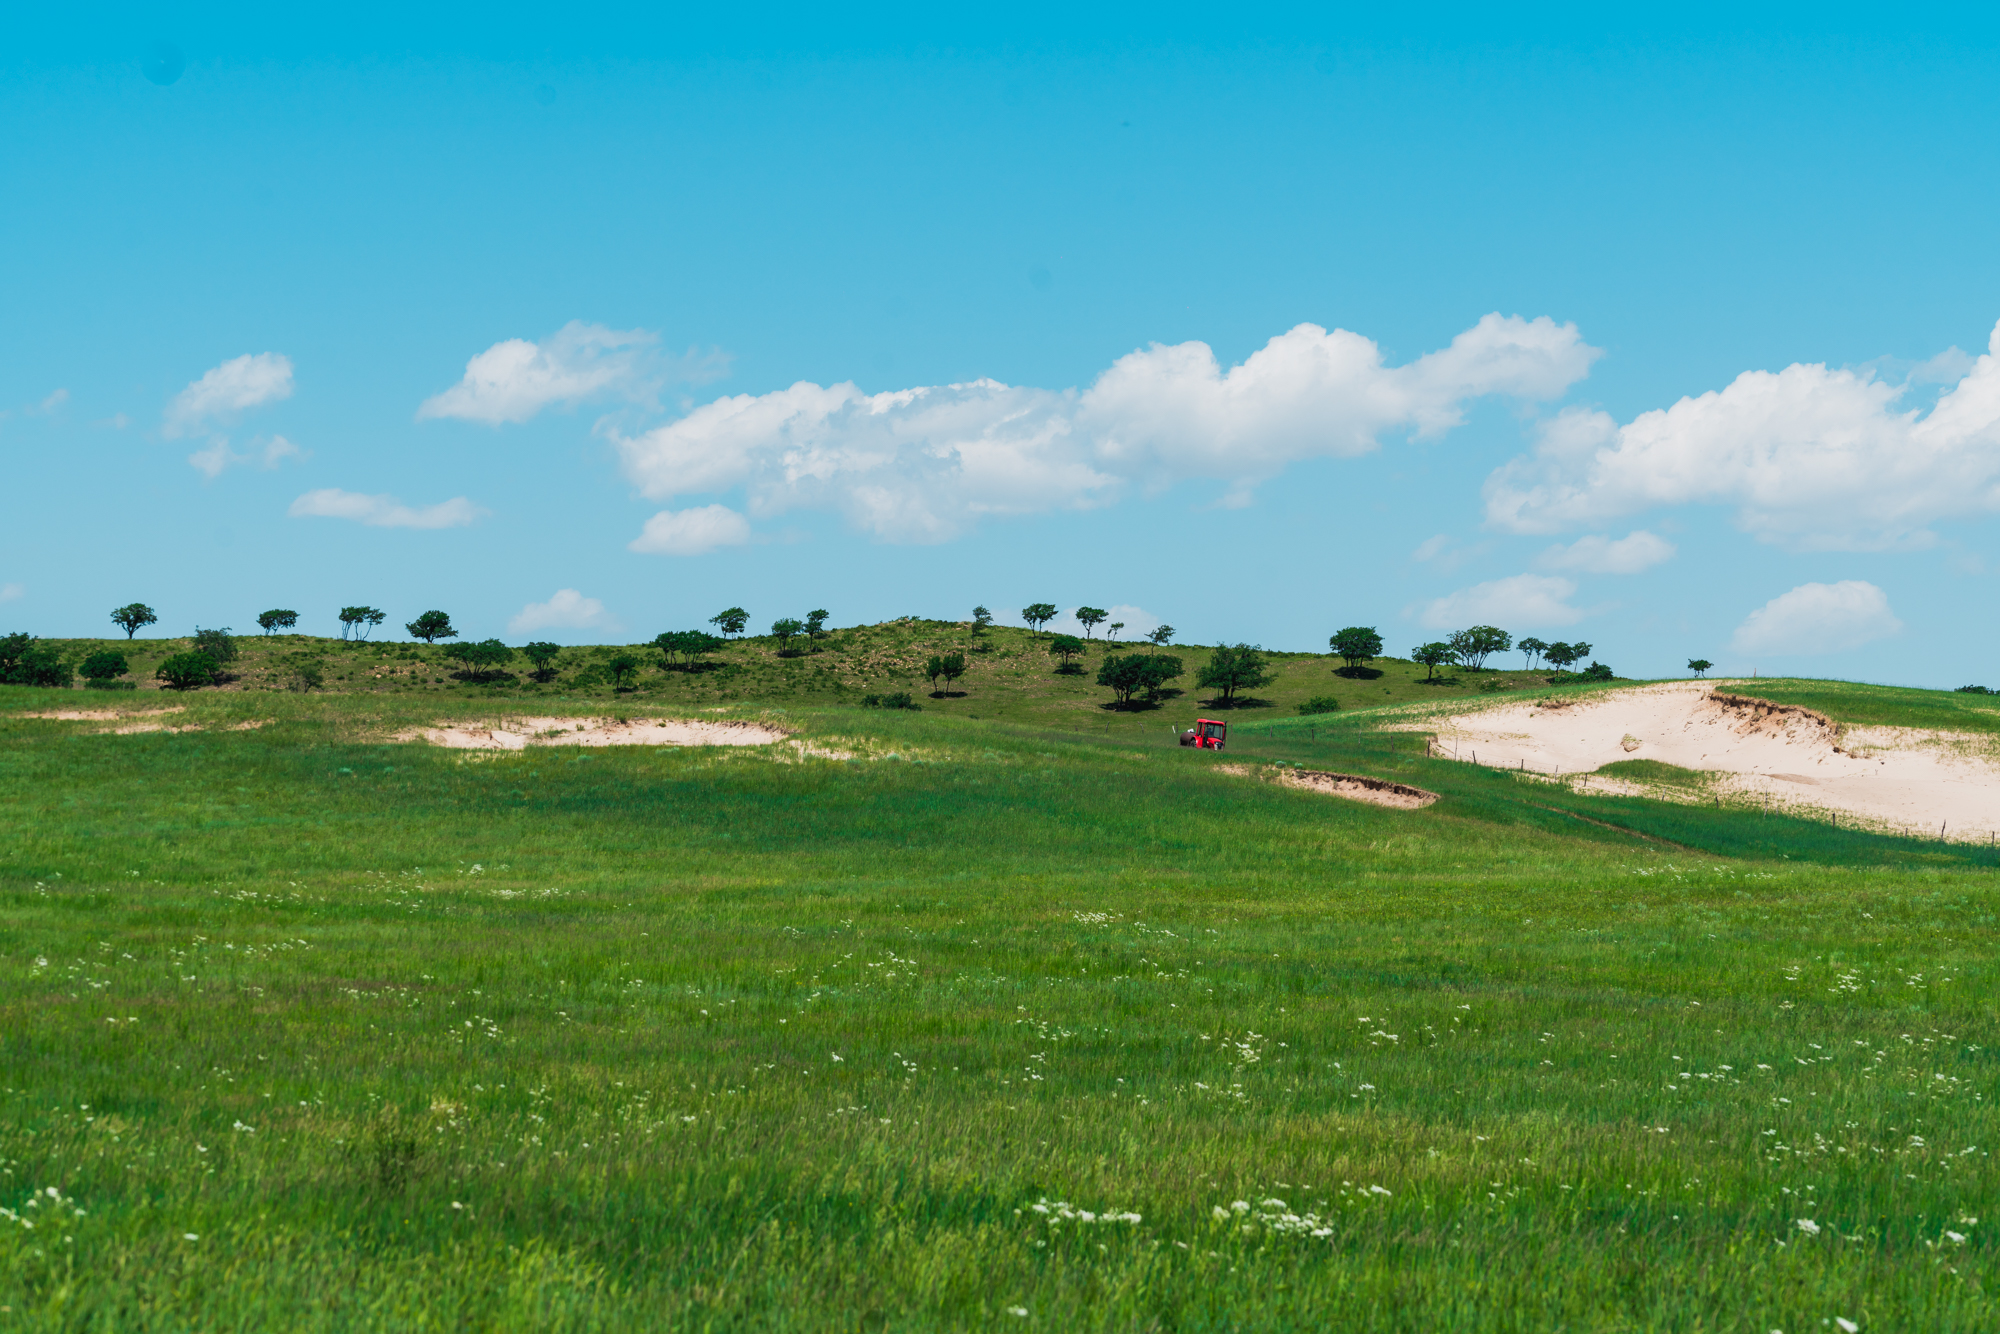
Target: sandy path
[[1890, 778], [102, 715], [520, 733]]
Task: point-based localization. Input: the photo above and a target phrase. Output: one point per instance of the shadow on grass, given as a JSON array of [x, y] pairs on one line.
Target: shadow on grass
[[1358, 673]]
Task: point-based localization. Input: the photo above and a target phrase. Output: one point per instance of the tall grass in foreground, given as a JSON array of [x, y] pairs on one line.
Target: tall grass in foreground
[[982, 1029]]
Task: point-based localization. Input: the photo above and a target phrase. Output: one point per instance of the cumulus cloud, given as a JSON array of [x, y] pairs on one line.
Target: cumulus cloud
[[1818, 618], [923, 464], [1810, 457], [692, 532], [567, 610], [1598, 554], [1521, 601], [243, 382], [515, 379], [267, 454], [384, 511], [12, 592]]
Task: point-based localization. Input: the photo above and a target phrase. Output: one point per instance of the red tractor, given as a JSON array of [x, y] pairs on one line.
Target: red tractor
[[1206, 734]]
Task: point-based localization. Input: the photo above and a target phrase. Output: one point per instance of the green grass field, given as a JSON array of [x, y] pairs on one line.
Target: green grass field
[[1029, 1019]]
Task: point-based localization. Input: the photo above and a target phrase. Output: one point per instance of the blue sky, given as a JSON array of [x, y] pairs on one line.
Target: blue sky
[[585, 328]]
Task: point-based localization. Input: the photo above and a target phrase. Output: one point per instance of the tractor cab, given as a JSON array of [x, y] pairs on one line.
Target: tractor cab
[[1206, 734]]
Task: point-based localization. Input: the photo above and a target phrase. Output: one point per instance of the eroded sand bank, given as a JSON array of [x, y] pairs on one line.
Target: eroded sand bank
[[1885, 777]]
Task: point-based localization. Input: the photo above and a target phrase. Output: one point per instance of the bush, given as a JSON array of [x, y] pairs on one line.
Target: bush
[[900, 700], [1973, 690], [1320, 704], [217, 644], [103, 665], [189, 671], [27, 661], [110, 685], [307, 676]]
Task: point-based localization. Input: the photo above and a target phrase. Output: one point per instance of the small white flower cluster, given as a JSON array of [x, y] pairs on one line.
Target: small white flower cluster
[[49, 1198], [1275, 1216], [1061, 1211]]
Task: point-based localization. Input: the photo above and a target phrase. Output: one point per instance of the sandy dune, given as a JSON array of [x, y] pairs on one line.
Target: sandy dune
[[1887, 778], [520, 733]]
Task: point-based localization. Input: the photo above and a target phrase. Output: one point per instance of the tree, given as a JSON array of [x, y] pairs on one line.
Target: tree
[[1143, 674], [104, 665], [730, 622], [189, 671], [1560, 655], [27, 661], [1699, 666], [1481, 642], [277, 619], [1089, 617], [543, 654], [1531, 648], [1065, 647], [981, 618], [1163, 636], [1434, 655], [1039, 614], [481, 660], [1357, 644], [217, 644], [784, 628], [934, 668], [623, 667], [359, 621], [134, 617], [1233, 667], [816, 623], [431, 627], [953, 666], [1111, 630]]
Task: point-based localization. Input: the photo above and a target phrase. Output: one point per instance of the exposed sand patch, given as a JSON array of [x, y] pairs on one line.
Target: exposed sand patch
[[1354, 787], [102, 715], [520, 733], [1880, 777]]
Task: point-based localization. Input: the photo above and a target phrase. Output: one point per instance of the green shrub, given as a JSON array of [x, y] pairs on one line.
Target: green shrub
[[217, 644], [899, 700], [110, 685], [1320, 704], [103, 665], [27, 661], [189, 671]]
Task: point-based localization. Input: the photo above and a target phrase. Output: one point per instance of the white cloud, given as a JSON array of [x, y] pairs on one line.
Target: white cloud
[[1818, 618], [923, 464], [567, 610], [1598, 554], [1521, 601], [244, 382], [266, 454], [384, 511], [515, 379], [53, 401], [1810, 458], [12, 592], [692, 532]]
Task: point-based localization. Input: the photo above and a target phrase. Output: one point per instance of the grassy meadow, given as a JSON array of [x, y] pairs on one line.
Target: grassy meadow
[[1023, 1020]]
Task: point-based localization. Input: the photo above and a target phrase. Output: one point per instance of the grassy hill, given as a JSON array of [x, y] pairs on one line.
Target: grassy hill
[[1010, 675], [1028, 1020]]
